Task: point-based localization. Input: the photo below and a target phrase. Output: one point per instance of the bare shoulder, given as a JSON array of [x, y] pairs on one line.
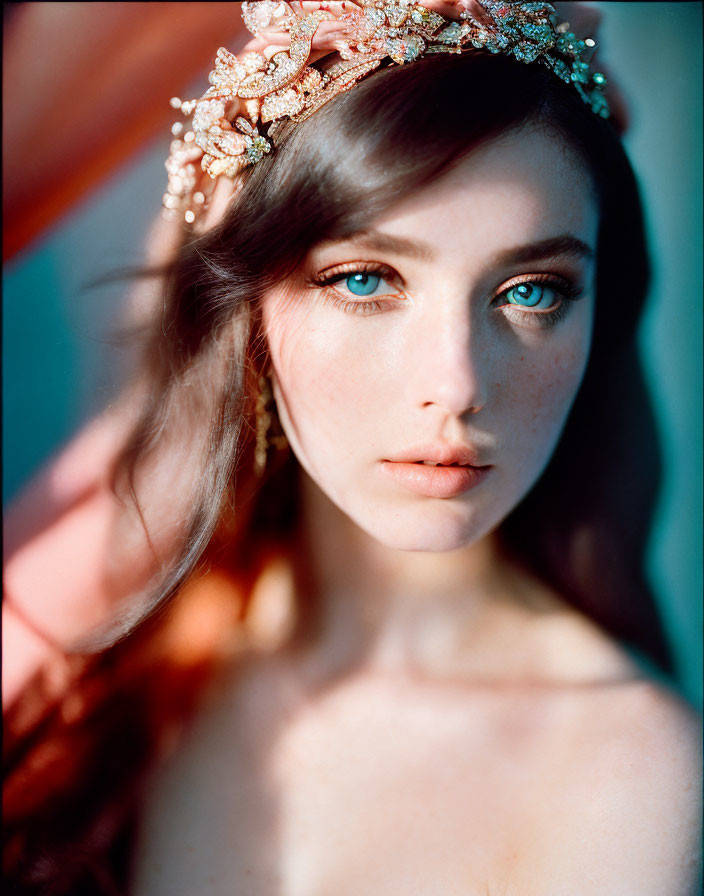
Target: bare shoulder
[[659, 732], [663, 737], [633, 763], [641, 759], [667, 720], [666, 743]]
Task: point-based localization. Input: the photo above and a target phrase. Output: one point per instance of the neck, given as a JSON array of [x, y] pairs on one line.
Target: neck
[[390, 610]]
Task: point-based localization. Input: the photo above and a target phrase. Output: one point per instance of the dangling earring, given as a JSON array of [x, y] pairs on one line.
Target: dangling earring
[[263, 422], [265, 414]]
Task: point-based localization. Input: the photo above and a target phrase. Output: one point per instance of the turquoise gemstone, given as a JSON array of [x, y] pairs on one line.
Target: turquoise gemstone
[[451, 34]]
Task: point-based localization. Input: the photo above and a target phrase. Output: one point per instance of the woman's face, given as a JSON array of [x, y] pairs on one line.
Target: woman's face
[[455, 330]]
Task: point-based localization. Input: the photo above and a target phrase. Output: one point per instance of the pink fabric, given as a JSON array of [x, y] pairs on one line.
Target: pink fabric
[[54, 590], [57, 532]]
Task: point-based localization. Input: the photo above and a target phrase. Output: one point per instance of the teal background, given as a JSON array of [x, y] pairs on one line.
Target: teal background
[[60, 368], [654, 51]]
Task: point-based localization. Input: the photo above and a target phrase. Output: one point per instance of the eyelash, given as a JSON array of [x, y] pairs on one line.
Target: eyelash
[[566, 290], [327, 281]]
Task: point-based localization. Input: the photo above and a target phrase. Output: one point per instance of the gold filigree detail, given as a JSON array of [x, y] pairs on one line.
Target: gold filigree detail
[[271, 82]]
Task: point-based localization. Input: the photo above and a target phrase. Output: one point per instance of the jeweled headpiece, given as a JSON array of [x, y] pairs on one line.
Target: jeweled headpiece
[[275, 77]]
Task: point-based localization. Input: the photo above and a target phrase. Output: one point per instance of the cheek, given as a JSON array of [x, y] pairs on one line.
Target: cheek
[[326, 373], [540, 390]]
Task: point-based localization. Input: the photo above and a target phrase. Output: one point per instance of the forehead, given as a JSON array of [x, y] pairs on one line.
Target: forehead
[[523, 186]]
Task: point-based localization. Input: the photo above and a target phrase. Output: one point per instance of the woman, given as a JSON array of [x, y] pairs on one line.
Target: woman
[[444, 264]]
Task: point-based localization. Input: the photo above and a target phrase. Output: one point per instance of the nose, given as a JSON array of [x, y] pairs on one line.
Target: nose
[[451, 365]]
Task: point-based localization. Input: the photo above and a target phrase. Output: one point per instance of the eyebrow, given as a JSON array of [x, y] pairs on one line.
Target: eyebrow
[[564, 244], [397, 245]]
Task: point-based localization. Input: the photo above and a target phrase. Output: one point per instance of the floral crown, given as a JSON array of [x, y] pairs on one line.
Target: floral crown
[[234, 123]]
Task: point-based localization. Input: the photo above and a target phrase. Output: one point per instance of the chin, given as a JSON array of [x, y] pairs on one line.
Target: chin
[[431, 529]]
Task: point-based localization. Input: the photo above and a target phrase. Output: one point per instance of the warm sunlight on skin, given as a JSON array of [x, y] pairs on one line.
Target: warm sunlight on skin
[[416, 341]]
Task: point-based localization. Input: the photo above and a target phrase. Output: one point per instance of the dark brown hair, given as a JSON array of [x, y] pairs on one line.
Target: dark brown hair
[[583, 527]]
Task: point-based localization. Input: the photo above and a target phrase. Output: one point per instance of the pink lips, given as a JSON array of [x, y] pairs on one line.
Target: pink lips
[[435, 482], [460, 472]]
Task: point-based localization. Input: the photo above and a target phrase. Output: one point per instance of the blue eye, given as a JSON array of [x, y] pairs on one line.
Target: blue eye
[[362, 283], [361, 289], [540, 302], [530, 295]]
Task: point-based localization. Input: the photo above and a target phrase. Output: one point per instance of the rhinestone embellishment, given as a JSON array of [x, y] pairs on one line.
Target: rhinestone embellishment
[[255, 89]]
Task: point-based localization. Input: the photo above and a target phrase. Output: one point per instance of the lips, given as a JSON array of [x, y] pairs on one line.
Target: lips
[[437, 471], [439, 453]]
